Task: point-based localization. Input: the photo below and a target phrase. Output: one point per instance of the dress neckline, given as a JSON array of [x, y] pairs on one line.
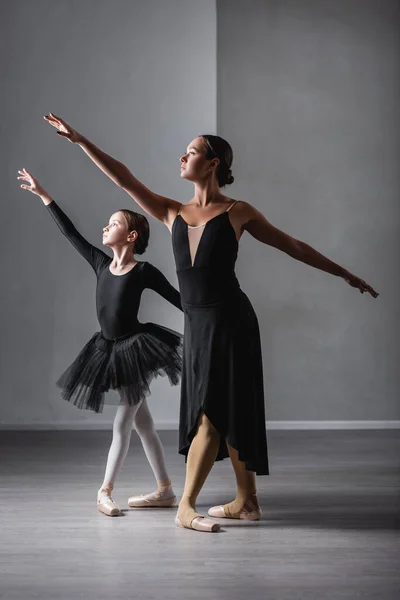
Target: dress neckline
[[203, 224], [207, 222], [126, 273], [196, 226]]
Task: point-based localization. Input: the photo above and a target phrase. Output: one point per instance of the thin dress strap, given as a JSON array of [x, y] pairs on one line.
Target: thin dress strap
[[230, 206]]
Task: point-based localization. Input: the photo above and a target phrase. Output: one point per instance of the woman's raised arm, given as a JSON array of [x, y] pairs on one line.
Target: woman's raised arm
[[160, 207]]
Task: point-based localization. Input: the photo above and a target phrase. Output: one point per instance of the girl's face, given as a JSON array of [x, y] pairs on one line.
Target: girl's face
[[194, 164], [116, 233]]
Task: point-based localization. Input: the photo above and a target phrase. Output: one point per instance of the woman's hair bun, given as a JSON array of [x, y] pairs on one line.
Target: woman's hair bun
[[217, 147]]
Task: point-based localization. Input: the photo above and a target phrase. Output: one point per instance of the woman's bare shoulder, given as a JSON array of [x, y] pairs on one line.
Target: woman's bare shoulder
[[243, 209]]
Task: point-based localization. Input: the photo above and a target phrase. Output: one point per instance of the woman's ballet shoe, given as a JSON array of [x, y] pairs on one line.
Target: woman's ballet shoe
[[200, 524], [249, 512], [150, 501], [106, 504]]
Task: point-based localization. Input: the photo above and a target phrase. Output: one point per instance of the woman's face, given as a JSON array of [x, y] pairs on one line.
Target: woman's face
[[194, 164], [116, 233]]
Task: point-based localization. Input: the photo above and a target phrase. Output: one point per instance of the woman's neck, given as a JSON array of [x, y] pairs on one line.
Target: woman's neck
[[206, 193]]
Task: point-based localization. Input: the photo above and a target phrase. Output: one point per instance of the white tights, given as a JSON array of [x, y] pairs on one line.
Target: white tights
[[139, 417]]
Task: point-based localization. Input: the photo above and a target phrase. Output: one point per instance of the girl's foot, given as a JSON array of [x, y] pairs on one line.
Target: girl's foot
[[105, 503], [164, 497], [249, 511]]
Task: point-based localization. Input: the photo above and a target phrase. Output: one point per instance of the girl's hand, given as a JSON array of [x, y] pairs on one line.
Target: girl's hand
[[360, 284], [33, 185], [63, 129]]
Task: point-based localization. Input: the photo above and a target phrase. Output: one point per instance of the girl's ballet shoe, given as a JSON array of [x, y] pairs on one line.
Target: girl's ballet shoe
[[200, 524], [106, 504], [149, 502], [250, 511]]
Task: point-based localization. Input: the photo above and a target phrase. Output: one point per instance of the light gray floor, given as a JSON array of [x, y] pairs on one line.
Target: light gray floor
[[330, 527]]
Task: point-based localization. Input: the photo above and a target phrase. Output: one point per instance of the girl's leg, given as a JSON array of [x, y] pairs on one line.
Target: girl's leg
[[245, 505], [202, 454], [144, 425], [122, 431]]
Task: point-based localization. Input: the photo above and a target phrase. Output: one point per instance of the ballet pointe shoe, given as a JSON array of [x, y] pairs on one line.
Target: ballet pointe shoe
[[105, 503], [143, 501], [250, 511], [199, 523], [156, 499]]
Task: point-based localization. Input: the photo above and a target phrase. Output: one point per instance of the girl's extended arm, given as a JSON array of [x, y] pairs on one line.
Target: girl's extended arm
[[155, 280], [93, 255]]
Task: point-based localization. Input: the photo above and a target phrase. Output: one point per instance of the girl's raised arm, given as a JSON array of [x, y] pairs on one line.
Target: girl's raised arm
[[94, 256]]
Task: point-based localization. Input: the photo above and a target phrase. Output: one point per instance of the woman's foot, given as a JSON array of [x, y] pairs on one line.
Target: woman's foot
[[248, 511], [164, 497], [105, 503], [189, 519]]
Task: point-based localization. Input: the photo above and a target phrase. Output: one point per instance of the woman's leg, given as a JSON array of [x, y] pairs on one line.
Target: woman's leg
[[202, 454], [245, 505], [152, 446]]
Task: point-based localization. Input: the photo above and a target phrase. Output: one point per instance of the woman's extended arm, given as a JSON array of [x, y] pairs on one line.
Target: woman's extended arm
[[257, 225], [162, 208]]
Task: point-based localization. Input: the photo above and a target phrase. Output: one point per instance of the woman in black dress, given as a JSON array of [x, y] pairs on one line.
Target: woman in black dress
[[222, 401]]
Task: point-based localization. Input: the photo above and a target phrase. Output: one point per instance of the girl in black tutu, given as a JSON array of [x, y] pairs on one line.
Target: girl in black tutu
[[126, 354]]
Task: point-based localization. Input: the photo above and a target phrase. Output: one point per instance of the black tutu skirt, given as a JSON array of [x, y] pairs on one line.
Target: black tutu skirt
[[126, 364]]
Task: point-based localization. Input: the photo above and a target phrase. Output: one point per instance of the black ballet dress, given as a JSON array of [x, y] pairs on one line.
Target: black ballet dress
[[126, 354], [222, 365]]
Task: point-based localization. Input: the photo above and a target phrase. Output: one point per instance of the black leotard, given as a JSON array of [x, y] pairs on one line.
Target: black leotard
[[117, 296]]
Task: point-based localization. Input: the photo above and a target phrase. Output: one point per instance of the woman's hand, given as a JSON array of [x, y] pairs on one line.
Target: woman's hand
[[63, 129], [33, 186], [360, 284]]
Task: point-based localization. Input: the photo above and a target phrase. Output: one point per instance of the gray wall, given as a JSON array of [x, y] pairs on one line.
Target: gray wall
[[308, 95], [139, 79]]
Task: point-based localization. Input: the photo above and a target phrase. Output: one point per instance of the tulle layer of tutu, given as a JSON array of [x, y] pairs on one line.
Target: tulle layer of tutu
[[126, 365]]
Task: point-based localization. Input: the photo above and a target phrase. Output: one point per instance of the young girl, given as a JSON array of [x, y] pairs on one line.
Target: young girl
[[126, 354]]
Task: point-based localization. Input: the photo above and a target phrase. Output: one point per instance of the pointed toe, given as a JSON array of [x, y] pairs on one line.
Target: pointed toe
[[106, 504], [199, 524], [148, 502], [109, 508], [250, 511], [217, 512], [206, 525]]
